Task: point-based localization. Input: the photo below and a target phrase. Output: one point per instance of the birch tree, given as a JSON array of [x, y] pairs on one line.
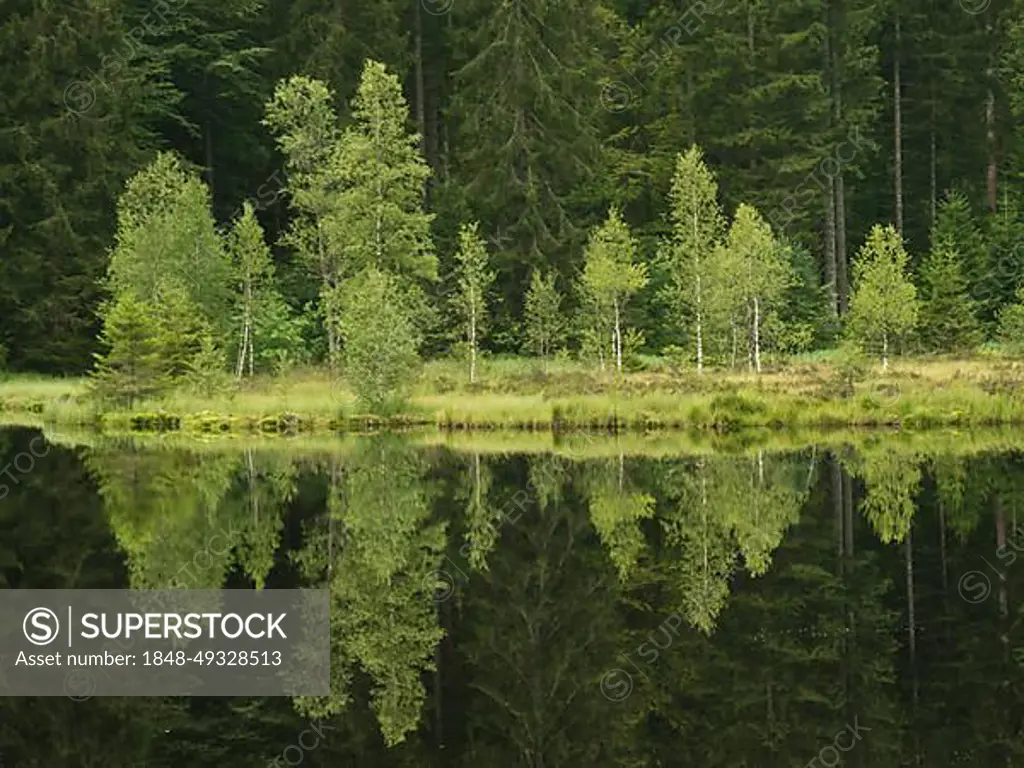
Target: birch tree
[[379, 220], [304, 123], [697, 226], [764, 271], [611, 275], [545, 323], [474, 280], [884, 305], [263, 319]]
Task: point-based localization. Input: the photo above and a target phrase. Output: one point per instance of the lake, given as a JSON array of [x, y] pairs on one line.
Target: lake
[[580, 602]]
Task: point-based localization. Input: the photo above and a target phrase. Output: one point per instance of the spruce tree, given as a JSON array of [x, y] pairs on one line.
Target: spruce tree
[[948, 319], [133, 365]]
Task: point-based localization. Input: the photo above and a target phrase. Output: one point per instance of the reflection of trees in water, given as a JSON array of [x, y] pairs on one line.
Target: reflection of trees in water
[[803, 622], [379, 553], [538, 629], [716, 509]]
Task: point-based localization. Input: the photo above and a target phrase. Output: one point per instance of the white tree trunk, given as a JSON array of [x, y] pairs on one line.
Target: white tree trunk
[[700, 331], [757, 335], [618, 339], [472, 341], [885, 350]]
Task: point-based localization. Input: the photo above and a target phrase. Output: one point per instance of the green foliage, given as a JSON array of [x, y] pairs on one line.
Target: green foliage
[[884, 304], [381, 342], [611, 276], [892, 479], [1011, 324], [133, 366], [697, 228], [377, 218], [167, 249], [207, 373], [545, 322], [948, 319], [263, 322], [756, 274], [474, 281]]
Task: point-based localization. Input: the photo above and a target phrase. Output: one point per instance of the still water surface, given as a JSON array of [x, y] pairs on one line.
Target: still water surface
[[589, 608]]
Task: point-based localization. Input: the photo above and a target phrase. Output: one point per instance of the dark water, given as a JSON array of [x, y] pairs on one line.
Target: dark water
[[841, 606]]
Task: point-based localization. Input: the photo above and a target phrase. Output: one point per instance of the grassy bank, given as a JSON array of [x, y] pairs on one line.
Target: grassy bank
[[524, 395]]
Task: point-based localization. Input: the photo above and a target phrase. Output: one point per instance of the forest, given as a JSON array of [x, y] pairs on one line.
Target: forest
[[204, 193]]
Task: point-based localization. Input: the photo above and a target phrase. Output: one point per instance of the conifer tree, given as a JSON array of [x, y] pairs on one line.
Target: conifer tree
[[132, 366], [474, 280], [611, 275], [884, 305], [948, 319]]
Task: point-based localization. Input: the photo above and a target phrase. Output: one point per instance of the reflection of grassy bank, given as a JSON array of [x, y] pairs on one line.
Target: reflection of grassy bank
[[575, 445], [516, 394]]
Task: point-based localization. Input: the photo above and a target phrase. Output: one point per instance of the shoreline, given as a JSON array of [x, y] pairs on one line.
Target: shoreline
[[913, 394]]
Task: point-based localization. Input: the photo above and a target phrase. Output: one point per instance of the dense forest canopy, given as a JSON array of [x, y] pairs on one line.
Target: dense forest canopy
[[497, 167]]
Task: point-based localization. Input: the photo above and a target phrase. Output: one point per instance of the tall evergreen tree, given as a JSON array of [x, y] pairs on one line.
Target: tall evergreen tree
[[949, 321], [524, 135], [132, 366]]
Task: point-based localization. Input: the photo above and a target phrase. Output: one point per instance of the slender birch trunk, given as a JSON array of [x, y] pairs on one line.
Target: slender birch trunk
[[472, 338], [885, 350], [618, 339], [757, 335]]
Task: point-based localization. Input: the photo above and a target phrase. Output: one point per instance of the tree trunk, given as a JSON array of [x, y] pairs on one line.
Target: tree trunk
[[618, 339], [933, 176], [757, 335], [829, 270], [472, 340], [831, 285], [991, 173], [897, 97], [208, 153], [842, 273], [885, 350], [700, 307]]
